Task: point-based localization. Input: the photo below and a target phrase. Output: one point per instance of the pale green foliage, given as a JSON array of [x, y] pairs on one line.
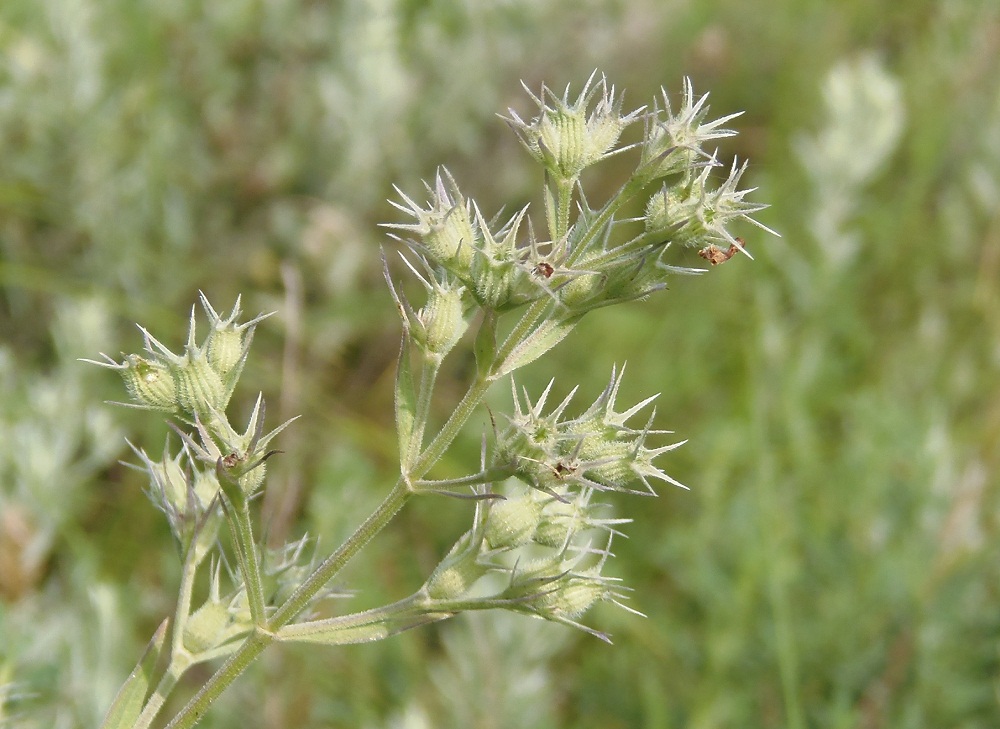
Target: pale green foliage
[[55, 438], [495, 670], [865, 118]]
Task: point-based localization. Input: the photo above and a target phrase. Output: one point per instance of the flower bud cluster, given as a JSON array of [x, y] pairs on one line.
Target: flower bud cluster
[[437, 326], [197, 382], [563, 138], [560, 591], [539, 545], [596, 450], [693, 214], [585, 265], [239, 458], [451, 233], [186, 494], [540, 536]]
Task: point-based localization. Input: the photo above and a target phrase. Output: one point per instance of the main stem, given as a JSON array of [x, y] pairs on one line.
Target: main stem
[[246, 547], [371, 526], [220, 680], [179, 663]]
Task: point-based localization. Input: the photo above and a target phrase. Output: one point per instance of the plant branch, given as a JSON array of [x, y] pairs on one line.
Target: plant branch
[[299, 599], [221, 679], [180, 661], [249, 558]]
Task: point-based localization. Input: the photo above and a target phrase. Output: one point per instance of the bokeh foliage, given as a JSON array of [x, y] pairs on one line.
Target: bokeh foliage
[[834, 564]]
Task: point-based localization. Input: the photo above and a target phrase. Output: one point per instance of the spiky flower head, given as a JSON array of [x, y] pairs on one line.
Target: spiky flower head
[[566, 515], [438, 325], [595, 450], [228, 343], [239, 458], [445, 231], [674, 143], [195, 383], [564, 138], [563, 588], [538, 550], [186, 495], [149, 382], [696, 215], [496, 278]]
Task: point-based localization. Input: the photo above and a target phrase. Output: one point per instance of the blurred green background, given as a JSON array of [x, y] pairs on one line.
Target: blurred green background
[[835, 562]]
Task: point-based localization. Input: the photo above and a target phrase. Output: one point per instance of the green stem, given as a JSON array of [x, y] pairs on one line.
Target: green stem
[[397, 610], [300, 599], [179, 663], [564, 203], [246, 551], [400, 494], [221, 679], [180, 659], [451, 428], [305, 592], [402, 490], [520, 332], [463, 411], [184, 592], [627, 191]]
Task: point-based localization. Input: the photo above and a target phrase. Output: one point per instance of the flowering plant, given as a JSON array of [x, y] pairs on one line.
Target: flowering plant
[[540, 537]]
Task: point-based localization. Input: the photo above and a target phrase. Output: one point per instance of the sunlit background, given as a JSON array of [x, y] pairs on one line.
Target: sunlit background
[[835, 561]]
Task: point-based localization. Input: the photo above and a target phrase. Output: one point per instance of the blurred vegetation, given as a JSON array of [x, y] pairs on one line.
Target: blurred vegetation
[[834, 564]]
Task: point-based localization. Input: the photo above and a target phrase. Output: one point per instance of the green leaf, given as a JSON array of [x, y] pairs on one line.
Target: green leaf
[[548, 334], [486, 344], [132, 695], [335, 632]]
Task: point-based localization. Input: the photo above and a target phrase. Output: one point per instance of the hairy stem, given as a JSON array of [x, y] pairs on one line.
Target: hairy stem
[[179, 663], [305, 592], [221, 679], [564, 202], [627, 191], [183, 609], [249, 558]]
